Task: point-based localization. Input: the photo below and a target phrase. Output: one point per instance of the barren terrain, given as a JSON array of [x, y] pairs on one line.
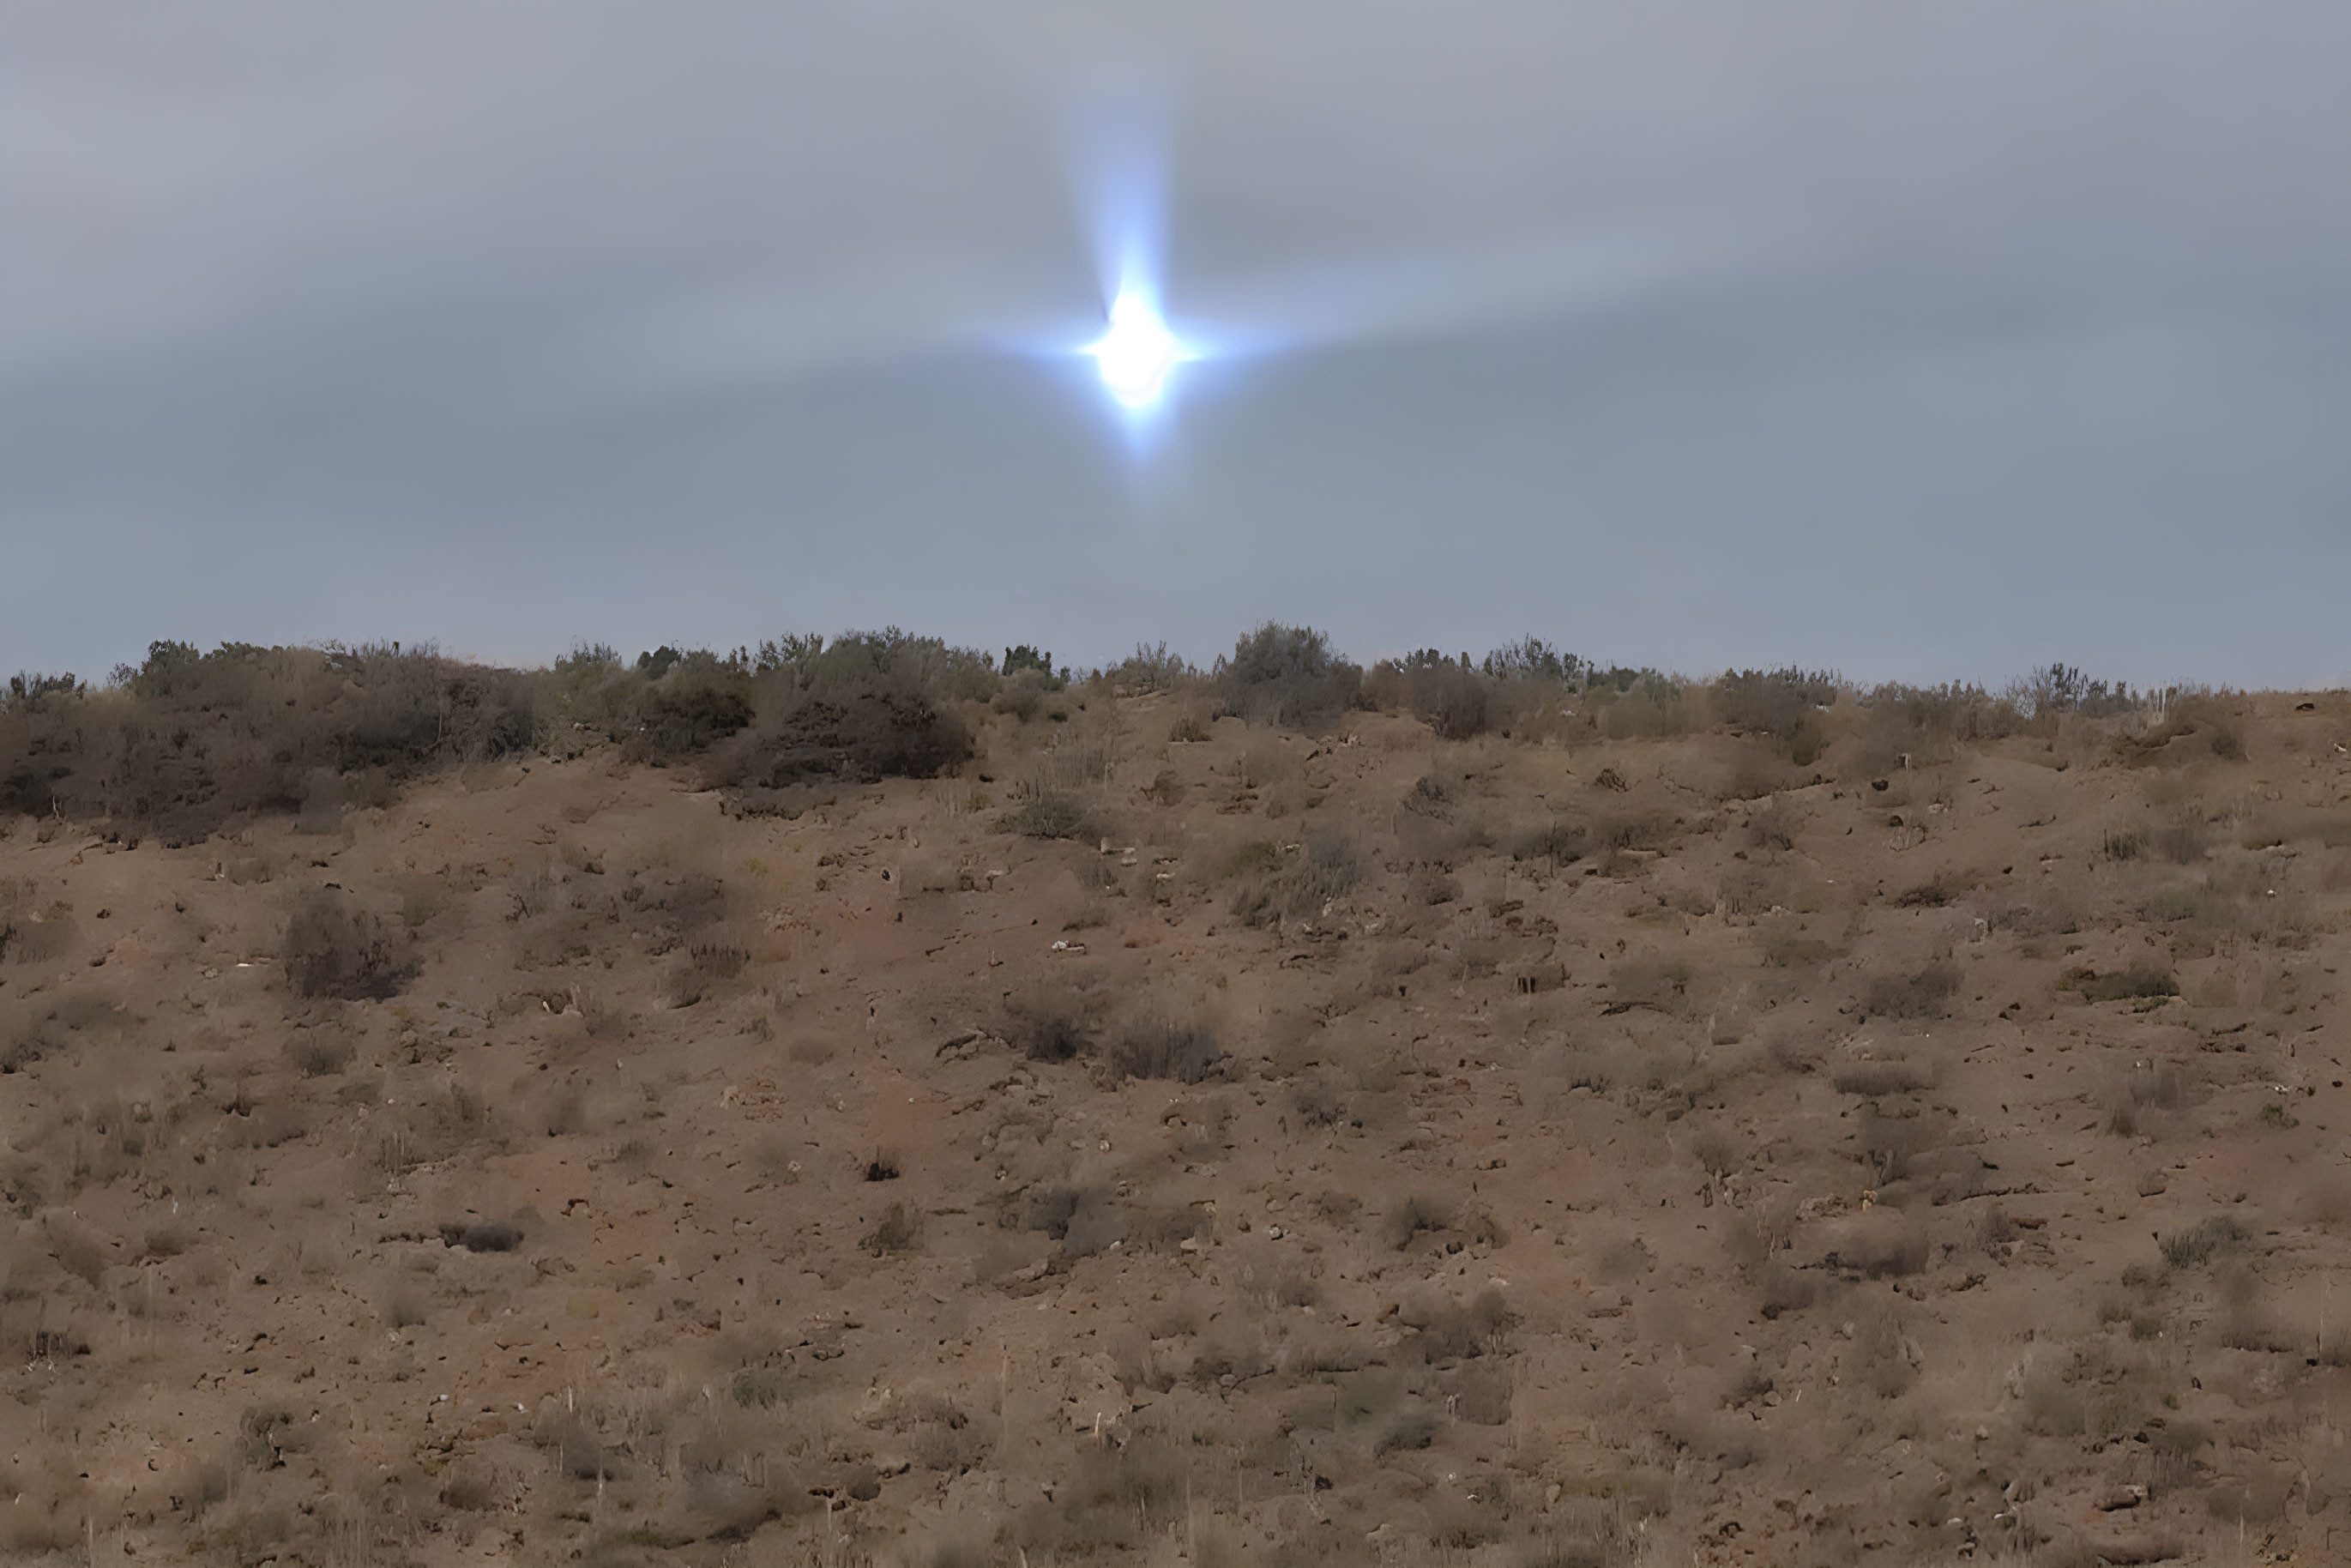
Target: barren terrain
[[1256, 1148]]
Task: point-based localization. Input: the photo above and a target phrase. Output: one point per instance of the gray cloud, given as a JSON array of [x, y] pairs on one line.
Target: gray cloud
[[1921, 341]]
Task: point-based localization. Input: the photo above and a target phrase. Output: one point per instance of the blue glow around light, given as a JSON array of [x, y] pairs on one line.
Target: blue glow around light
[[1138, 352]]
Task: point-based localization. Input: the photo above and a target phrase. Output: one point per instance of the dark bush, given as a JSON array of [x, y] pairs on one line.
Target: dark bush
[[1024, 657], [483, 1236], [187, 741], [674, 724], [856, 738], [1781, 704], [1456, 700], [1051, 1029], [1288, 675], [334, 950], [1532, 659]]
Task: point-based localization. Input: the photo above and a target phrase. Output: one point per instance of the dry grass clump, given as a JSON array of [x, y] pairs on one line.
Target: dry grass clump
[[1052, 815], [333, 949], [2195, 1247], [320, 1052], [1301, 881]]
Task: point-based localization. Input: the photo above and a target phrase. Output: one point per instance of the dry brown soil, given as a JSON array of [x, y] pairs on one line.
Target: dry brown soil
[[1775, 1182]]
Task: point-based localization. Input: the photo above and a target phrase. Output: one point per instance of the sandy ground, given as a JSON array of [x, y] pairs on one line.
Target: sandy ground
[[1761, 1186]]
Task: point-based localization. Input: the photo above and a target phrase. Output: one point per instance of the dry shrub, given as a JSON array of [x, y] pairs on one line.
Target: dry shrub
[[1880, 1245], [1455, 700], [1301, 883], [2141, 981], [482, 1235], [897, 1231], [1432, 797], [187, 742], [1319, 1103], [1187, 1053], [1887, 1356], [1923, 995], [332, 949], [707, 963], [1787, 1290], [1048, 816], [1661, 984], [1481, 1393], [1933, 893], [1560, 844], [1453, 1330], [1288, 675], [1872, 1078], [2197, 1245], [1776, 826], [1115, 1498], [319, 1053], [1417, 1213]]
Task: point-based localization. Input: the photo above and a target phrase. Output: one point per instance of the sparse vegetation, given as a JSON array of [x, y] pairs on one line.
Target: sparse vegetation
[[1464, 1129], [333, 949]]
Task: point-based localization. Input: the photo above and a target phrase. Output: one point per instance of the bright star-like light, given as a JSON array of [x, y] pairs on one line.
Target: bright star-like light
[[1137, 354]]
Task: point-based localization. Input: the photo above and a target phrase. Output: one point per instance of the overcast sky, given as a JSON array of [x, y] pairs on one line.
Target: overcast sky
[[1920, 340]]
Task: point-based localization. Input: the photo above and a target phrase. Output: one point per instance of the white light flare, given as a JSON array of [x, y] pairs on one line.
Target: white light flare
[[1137, 354]]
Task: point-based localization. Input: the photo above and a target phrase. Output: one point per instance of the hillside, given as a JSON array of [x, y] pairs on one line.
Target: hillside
[[1354, 1147]]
